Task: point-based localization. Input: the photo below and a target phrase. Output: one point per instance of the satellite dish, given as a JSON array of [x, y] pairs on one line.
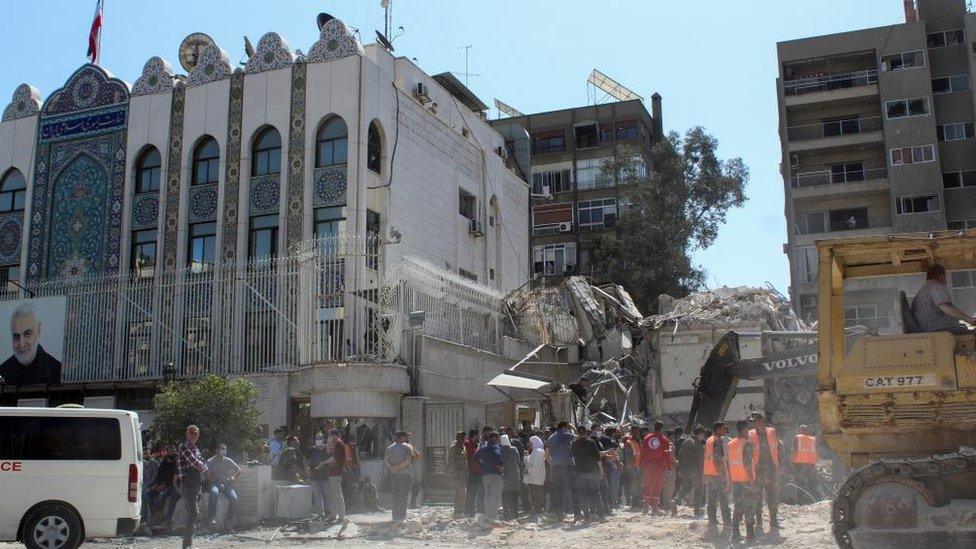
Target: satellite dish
[[323, 18], [248, 47], [384, 41], [191, 48]]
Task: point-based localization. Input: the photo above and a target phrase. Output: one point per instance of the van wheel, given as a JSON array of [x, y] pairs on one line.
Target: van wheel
[[52, 526]]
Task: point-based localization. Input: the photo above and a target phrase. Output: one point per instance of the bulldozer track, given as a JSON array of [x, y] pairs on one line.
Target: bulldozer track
[[918, 470]]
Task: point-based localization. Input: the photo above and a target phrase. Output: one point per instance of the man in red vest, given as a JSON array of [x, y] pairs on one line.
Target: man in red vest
[[765, 460], [655, 461], [804, 460]]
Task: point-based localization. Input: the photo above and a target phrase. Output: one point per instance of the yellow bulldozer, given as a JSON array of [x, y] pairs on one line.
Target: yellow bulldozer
[[900, 408]]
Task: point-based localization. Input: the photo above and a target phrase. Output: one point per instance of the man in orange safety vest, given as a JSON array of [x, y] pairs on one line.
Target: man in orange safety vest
[[804, 460], [741, 452], [715, 471]]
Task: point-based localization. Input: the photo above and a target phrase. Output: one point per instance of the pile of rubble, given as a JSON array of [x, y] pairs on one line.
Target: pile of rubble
[[761, 307], [604, 322]]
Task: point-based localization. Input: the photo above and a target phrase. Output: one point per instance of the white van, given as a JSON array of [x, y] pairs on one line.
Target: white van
[[68, 474]]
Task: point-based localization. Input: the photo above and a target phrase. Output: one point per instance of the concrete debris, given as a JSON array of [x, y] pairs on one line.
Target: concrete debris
[[603, 322], [574, 312], [727, 307]]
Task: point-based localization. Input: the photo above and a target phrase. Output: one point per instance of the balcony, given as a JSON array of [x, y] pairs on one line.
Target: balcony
[[830, 87], [828, 182], [835, 133]]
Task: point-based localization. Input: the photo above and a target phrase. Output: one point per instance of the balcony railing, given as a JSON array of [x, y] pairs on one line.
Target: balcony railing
[[834, 128], [829, 82], [829, 177]]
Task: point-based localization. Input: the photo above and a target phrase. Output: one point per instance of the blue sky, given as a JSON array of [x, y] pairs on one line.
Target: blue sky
[[713, 62]]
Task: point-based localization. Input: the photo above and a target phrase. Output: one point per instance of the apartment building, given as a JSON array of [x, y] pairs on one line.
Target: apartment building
[[573, 200], [876, 128]]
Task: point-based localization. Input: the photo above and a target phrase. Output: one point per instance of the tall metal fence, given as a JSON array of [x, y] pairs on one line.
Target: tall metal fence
[[321, 303]]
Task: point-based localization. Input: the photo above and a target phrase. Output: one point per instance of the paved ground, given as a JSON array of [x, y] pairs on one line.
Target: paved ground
[[803, 528]]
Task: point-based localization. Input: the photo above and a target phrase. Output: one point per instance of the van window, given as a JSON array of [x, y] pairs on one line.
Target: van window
[[60, 438]]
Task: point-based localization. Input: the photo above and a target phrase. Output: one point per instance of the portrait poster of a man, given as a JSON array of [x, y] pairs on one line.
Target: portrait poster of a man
[[34, 329]]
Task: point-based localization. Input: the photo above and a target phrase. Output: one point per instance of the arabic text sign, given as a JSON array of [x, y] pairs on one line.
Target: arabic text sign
[[83, 125]]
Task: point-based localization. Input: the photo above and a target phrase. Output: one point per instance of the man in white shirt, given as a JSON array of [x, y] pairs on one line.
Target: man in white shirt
[[933, 306]]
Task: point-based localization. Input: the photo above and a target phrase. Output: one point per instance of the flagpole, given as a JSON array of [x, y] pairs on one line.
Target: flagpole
[[101, 15]]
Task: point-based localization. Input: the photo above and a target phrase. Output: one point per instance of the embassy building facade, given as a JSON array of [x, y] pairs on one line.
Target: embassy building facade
[[276, 221]]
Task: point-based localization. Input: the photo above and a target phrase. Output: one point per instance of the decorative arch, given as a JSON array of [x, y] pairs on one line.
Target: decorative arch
[[13, 199], [157, 77], [264, 190], [25, 102], [375, 151], [335, 42], [204, 178], [330, 176], [88, 88], [271, 54], [213, 65]]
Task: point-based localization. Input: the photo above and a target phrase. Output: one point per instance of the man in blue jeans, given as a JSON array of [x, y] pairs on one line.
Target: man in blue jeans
[[399, 465], [564, 479], [223, 473]]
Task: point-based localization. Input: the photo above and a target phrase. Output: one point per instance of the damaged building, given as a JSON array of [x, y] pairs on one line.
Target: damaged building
[[686, 334]]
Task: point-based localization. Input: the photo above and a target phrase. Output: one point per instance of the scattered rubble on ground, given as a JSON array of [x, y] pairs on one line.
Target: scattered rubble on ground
[[804, 527]]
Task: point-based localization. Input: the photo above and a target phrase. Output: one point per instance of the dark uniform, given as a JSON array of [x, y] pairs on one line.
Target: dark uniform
[[43, 370]]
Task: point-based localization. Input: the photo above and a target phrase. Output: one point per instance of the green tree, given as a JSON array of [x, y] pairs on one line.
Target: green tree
[[674, 209], [224, 409]]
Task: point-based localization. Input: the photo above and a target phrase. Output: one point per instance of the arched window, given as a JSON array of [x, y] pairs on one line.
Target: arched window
[[13, 191], [147, 170], [331, 143], [374, 148], [206, 161], [266, 155]]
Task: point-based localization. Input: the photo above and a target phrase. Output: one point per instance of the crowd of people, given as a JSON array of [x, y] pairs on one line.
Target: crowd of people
[[592, 472], [504, 474]]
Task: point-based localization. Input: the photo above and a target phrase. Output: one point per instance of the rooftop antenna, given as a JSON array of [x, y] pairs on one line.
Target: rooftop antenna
[[505, 108], [387, 18], [598, 81], [466, 73]]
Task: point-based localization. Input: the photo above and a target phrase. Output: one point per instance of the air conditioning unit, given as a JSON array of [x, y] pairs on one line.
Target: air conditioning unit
[[476, 227], [420, 93], [566, 227], [808, 302]]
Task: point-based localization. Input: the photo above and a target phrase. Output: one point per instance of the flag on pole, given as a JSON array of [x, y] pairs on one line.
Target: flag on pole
[[95, 35]]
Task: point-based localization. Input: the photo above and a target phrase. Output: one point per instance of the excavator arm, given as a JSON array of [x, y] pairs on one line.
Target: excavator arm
[[719, 377]]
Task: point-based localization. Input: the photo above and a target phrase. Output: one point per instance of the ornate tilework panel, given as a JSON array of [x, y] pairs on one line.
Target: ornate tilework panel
[[232, 173], [11, 229], [263, 195], [296, 156], [335, 42], [145, 210], [78, 208], [202, 205], [25, 102], [213, 65], [35, 241], [272, 53], [329, 186], [90, 87], [76, 221], [157, 77], [174, 170]]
